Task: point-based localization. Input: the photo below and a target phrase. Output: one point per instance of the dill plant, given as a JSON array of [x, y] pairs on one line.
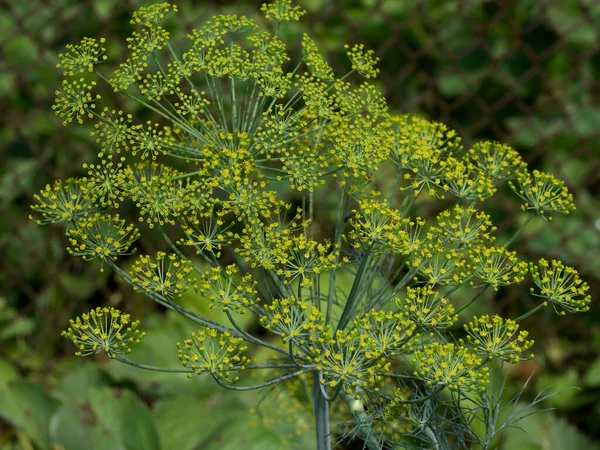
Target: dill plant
[[234, 120]]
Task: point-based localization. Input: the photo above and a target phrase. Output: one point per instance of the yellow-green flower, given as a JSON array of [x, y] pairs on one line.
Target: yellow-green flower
[[282, 11], [426, 308], [561, 286], [213, 352], [363, 61], [105, 330], [224, 291], [75, 100], [451, 365], [497, 161], [166, 275], [496, 266], [82, 57], [466, 226], [543, 194], [498, 338], [63, 202], [101, 236]]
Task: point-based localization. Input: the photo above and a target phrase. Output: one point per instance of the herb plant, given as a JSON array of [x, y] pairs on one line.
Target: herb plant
[[236, 131]]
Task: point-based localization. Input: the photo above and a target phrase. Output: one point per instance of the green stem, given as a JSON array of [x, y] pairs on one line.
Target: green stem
[[527, 314], [518, 232], [321, 416], [365, 430], [473, 300], [248, 337], [337, 240], [351, 303], [261, 385]]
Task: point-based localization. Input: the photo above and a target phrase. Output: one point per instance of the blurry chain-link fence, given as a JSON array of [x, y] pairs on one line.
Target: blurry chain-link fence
[[525, 72]]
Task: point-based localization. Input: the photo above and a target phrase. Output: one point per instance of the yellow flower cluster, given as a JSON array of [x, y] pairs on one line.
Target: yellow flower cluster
[[213, 352], [543, 194], [377, 227], [314, 60], [450, 365], [282, 11], [561, 286], [82, 57], [498, 338], [166, 275], [63, 202], [101, 236], [496, 266], [426, 308], [346, 360], [439, 265], [222, 289], [497, 161], [466, 226], [105, 183], [75, 100], [105, 330], [363, 61], [294, 320]]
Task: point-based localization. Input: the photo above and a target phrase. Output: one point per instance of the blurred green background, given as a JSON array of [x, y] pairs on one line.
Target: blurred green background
[[525, 72]]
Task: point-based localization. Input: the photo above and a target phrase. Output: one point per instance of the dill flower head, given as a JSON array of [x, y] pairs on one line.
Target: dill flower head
[[222, 289], [496, 266], [295, 320], [498, 338], [314, 60], [82, 57], [282, 11], [497, 161], [153, 15], [451, 365], [388, 334], [466, 182], [426, 308], [101, 236], [105, 183], [75, 100], [363, 61], [157, 192], [166, 275], [466, 226], [377, 227], [63, 202], [561, 286], [205, 233], [439, 265], [346, 359], [214, 352], [105, 330], [543, 194], [112, 131]]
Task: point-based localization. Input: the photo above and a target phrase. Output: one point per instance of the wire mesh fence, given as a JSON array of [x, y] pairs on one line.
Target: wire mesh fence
[[524, 72]]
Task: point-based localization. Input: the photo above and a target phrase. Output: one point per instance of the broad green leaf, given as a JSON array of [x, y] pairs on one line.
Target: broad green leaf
[[106, 419], [27, 407]]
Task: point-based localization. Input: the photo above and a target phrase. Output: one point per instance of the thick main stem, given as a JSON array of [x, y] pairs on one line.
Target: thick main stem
[[321, 416]]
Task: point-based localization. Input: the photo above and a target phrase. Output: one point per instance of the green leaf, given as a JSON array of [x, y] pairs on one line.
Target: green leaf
[[106, 419], [21, 326], [21, 50], [7, 373], [592, 376], [79, 382], [28, 408], [545, 432]]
